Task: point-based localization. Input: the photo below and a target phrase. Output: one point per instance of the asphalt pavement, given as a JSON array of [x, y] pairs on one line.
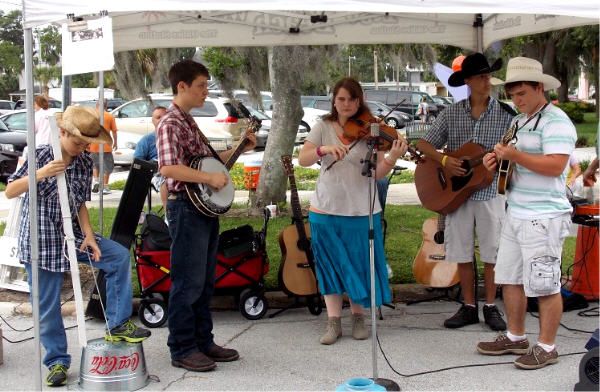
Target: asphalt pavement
[[283, 354]]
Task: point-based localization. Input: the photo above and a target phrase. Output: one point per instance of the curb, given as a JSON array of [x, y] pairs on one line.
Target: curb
[[401, 293]]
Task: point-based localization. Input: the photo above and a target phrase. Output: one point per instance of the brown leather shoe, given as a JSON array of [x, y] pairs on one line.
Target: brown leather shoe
[[195, 362], [536, 358], [221, 354]]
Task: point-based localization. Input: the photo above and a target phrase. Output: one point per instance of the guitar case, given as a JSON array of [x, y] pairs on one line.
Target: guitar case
[[125, 224]]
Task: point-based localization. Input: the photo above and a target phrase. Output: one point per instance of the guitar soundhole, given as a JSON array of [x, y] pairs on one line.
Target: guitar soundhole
[[459, 182], [438, 237]]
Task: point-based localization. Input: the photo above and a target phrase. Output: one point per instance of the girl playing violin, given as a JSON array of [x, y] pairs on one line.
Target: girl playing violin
[[339, 212]]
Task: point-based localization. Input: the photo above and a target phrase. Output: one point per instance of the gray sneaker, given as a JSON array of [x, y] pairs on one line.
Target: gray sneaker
[[503, 345], [536, 358], [128, 332]]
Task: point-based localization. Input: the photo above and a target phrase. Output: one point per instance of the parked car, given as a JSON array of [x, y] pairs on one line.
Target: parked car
[[265, 129], [16, 121], [405, 101], [12, 144], [111, 103], [6, 106], [52, 104], [220, 120], [321, 102], [395, 118], [441, 102]]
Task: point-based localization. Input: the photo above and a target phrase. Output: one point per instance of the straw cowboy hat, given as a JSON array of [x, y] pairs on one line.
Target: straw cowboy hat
[[83, 122], [523, 69], [473, 64]]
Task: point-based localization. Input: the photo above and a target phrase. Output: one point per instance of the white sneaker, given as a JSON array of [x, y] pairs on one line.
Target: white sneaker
[[106, 191]]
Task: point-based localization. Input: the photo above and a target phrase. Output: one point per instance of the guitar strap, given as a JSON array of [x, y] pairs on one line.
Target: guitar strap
[[537, 114]]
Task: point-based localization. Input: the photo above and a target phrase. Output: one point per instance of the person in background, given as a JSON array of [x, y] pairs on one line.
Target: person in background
[[589, 175], [423, 110], [111, 125], [574, 181], [78, 127], [339, 213], [484, 120], [146, 150], [42, 125], [538, 217]]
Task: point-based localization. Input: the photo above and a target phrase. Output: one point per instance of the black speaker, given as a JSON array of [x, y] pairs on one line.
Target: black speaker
[[125, 223], [588, 367]]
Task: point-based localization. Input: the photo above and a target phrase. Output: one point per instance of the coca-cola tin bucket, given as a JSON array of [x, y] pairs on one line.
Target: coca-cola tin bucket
[[112, 366]]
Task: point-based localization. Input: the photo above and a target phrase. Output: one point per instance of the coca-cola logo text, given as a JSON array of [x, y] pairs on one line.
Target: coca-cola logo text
[[108, 364]]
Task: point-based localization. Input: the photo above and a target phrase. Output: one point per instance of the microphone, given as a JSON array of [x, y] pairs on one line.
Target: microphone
[[367, 162], [375, 132]]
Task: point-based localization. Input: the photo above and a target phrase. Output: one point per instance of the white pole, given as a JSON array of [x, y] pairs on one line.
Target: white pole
[[33, 211], [101, 150], [63, 196]]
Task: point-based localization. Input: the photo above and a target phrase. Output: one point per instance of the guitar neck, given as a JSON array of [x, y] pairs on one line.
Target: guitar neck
[[236, 153], [296, 207], [441, 224]]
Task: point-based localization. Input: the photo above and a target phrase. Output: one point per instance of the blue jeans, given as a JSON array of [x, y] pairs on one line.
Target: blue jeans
[[115, 263], [193, 261]]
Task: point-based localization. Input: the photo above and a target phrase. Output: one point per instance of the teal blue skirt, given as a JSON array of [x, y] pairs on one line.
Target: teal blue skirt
[[340, 245]]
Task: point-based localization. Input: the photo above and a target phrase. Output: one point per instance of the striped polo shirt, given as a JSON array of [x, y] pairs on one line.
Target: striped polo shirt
[[532, 194]]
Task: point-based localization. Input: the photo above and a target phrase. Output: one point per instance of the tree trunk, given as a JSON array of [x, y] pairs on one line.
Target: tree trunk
[[129, 75], [287, 113]]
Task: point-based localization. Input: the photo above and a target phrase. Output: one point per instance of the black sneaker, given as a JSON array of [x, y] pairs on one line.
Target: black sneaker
[[57, 376], [128, 332], [493, 318], [95, 187], [466, 315]]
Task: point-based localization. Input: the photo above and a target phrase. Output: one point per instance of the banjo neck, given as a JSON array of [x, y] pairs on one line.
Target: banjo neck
[[253, 126]]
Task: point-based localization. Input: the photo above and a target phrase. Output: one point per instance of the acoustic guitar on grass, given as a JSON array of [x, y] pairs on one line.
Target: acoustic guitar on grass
[[430, 267], [297, 269]]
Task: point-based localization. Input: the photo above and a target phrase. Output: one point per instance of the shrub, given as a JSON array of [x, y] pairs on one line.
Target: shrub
[[573, 110]]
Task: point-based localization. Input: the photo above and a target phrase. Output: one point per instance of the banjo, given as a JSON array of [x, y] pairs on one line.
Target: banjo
[[207, 200]]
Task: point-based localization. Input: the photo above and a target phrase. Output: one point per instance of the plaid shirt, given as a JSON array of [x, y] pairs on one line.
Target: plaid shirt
[[51, 235], [455, 126], [178, 141]]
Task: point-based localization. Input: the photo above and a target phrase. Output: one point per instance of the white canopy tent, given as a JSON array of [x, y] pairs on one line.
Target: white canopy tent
[[140, 24]]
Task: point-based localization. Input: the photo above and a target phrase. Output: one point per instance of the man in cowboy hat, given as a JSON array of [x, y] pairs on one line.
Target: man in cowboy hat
[[79, 126], [484, 120], [538, 215]]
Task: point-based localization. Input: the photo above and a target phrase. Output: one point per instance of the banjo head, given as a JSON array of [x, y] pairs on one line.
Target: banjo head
[[217, 202]]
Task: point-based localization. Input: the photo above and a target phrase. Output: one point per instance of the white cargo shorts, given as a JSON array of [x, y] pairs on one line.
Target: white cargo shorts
[[529, 253]]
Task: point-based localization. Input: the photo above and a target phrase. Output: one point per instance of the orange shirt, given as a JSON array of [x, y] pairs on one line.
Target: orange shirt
[[111, 126]]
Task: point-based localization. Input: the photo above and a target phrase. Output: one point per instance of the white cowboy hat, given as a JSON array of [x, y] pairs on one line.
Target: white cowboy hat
[[523, 69], [83, 123]]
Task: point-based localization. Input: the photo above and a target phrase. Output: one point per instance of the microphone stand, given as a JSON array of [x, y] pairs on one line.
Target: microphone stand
[[369, 170]]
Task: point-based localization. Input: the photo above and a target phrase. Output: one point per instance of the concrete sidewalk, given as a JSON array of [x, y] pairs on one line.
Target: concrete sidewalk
[[283, 353]]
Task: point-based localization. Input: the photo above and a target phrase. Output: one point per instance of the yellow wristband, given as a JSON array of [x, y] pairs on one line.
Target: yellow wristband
[[444, 160]]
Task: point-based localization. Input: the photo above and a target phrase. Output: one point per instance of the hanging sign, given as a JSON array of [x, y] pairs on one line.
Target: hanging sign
[[87, 46]]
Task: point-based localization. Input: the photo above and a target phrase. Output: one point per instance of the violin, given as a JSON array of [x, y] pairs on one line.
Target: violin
[[359, 127]]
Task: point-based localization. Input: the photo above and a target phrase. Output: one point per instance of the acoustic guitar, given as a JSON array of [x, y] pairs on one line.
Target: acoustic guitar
[[442, 192], [296, 271], [206, 199], [505, 167], [430, 267]]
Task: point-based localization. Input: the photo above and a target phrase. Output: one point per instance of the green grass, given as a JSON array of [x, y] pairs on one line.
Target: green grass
[[588, 129], [402, 243]]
